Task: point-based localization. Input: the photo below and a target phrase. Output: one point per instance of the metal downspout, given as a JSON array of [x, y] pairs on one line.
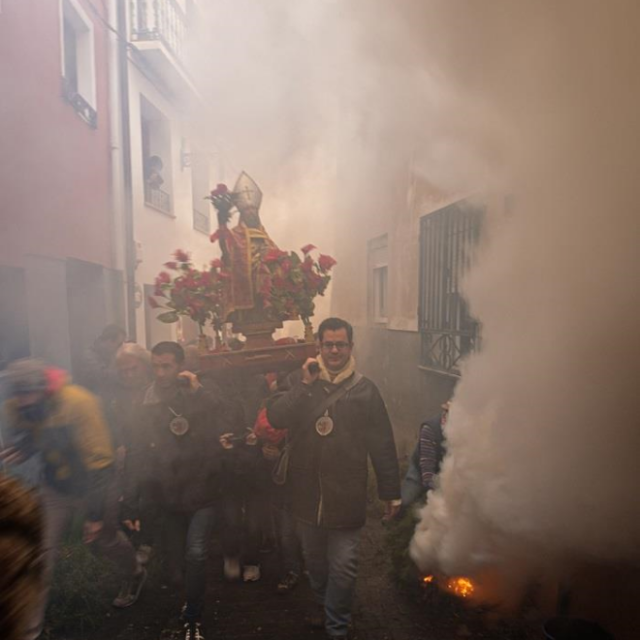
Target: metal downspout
[[129, 239]]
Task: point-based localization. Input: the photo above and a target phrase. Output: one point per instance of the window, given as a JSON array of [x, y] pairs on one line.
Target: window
[[447, 240], [378, 280], [78, 61], [199, 190], [155, 132]]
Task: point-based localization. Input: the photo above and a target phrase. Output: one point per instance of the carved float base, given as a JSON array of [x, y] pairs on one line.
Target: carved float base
[[262, 360]]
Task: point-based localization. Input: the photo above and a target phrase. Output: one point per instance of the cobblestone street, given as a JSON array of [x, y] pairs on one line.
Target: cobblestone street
[[237, 611]]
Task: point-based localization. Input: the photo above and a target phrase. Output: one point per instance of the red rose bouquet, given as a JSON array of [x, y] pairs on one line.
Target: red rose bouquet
[[199, 295], [288, 284]]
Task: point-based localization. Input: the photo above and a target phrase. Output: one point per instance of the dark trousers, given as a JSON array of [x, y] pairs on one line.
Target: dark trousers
[[288, 541], [190, 533], [243, 507]]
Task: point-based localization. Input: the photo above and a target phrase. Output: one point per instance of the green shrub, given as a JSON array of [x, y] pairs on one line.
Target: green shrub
[[397, 540], [83, 587]]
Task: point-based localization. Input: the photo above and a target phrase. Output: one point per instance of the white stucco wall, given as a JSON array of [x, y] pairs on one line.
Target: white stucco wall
[[158, 234]]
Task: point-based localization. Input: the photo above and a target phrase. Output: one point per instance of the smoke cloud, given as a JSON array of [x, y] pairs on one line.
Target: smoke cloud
[[537, 101], [543, 433]]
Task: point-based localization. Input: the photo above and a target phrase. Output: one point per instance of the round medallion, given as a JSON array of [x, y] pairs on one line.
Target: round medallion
[[324, 426], [179, 426]]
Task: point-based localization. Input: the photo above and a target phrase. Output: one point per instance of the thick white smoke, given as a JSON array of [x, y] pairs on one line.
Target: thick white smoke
[[544, 431], [537, 100]]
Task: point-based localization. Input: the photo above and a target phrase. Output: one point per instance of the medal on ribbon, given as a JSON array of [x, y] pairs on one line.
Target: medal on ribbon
[[179, 425], [324, 425]]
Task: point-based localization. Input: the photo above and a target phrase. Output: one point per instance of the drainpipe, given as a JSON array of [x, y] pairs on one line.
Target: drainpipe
[[127, 200]]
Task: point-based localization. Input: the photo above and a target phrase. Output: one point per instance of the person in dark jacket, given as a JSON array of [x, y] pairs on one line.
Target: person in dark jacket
[[173, 463], [63, 424], [336, 420]]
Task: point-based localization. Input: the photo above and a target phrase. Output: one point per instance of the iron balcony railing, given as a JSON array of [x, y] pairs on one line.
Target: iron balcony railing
[[158, 199], [160, 20]]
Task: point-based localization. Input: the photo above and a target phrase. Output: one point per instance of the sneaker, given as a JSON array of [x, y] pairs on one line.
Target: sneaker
[[130, 590], [143, 554], [232, 569], [193, 631], [251, 573], [289, 582]]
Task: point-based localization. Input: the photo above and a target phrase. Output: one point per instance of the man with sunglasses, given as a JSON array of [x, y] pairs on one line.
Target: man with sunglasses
[[336, 420]]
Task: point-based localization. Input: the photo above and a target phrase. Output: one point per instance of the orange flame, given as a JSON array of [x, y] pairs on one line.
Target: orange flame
[[461, 586], [428, 579]]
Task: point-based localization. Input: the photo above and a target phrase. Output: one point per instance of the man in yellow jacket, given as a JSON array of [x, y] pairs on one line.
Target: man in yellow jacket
[[63, 425]]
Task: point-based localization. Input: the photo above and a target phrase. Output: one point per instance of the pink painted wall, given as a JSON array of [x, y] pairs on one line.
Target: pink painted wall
[[55, 175]]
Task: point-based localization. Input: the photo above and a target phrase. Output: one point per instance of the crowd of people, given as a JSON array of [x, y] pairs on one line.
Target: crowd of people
[[154, 455]]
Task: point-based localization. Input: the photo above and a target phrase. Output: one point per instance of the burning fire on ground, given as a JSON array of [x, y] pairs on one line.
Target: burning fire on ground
[[460, 586]]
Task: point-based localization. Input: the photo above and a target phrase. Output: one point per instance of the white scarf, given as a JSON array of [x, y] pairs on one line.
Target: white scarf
[[340, 376]]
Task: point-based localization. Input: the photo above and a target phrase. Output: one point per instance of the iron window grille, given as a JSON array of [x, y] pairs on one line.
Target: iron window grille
[[81, 106], [447, 241], [201, 222]]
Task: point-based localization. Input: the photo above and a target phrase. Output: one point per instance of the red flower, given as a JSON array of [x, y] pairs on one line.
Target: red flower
[[273, 255], [307, 265], [308, 248], [181, 256], [216, 264], [326, 262], [163, 278], [153, 303], [171, 265]]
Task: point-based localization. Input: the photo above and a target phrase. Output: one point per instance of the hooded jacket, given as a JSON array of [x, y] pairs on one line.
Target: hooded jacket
[[328, 474], [72, 439]]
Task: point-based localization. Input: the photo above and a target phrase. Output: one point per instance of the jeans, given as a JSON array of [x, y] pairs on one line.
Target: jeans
[[58, 511], [331, 557], [193, 532], [411, 489]]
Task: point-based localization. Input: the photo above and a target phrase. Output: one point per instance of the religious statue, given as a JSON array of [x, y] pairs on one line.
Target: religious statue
[[243, 247], [255, 286]]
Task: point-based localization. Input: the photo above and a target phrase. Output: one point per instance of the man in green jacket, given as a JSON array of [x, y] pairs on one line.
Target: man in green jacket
[[63, 425], [336, 420]]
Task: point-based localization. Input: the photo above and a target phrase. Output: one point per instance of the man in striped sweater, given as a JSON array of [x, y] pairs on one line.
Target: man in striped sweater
[[425, 461]]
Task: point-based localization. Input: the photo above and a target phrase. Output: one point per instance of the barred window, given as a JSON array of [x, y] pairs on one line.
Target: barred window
[[447, 239]]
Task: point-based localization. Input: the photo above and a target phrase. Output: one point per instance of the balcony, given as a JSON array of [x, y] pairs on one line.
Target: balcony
[[159, 29], [158, 199]]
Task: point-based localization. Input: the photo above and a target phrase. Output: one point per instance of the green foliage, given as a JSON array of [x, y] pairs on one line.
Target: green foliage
[[397, 541], [82, 591]]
